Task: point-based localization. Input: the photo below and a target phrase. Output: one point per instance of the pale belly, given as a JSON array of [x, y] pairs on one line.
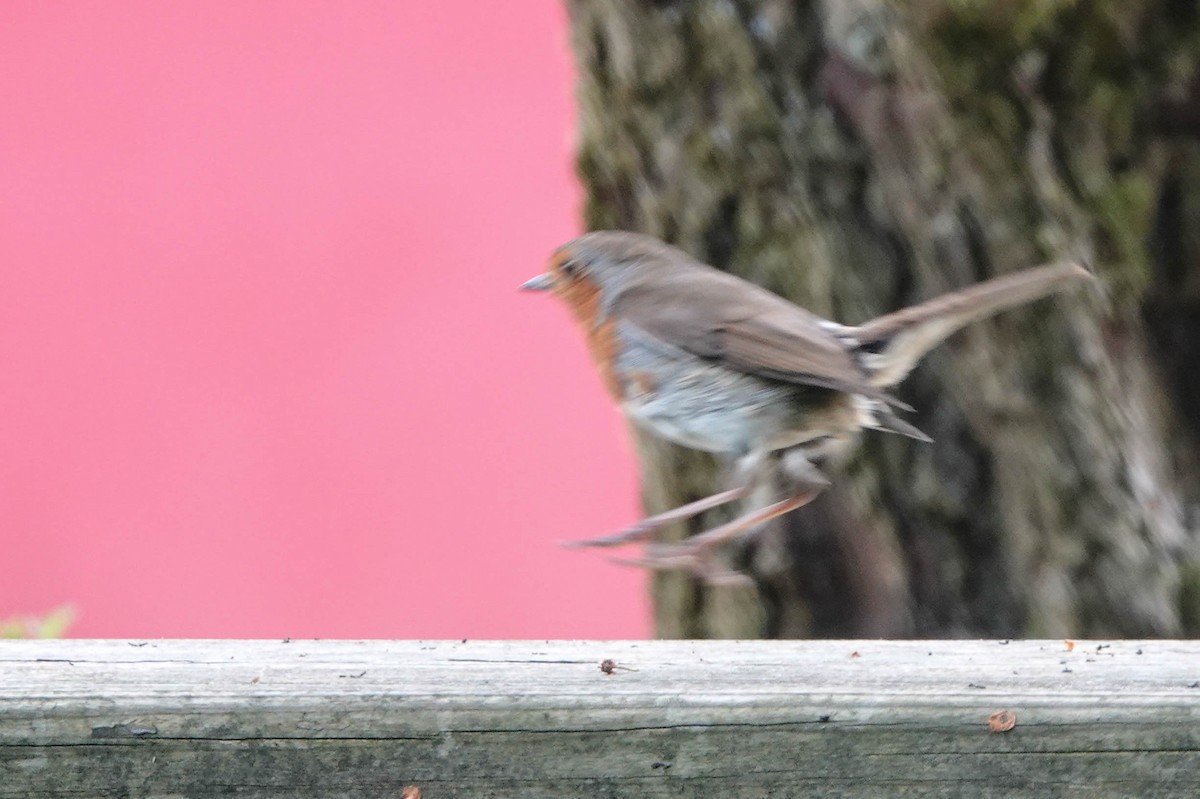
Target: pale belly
[[703, 406]]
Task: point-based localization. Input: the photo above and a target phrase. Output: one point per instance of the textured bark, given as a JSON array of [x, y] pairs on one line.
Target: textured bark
[[857, 157]]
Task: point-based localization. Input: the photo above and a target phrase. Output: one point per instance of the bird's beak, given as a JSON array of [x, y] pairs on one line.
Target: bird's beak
[[542, 282]]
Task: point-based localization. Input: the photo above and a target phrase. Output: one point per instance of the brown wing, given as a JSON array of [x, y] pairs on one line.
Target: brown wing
[[715, 315]]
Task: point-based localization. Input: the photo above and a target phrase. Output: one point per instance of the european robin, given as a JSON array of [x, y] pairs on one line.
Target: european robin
[[716, 363]]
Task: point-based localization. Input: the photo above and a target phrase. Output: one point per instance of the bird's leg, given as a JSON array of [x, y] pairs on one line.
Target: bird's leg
[[696, 554], [743, 474], [647, 527]]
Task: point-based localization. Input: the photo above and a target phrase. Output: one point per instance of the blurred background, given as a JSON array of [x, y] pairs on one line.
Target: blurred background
[[858, 156], [266, 371]]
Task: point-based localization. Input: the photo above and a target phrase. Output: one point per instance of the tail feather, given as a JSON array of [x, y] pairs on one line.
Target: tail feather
[[892, 344], [888, 421]]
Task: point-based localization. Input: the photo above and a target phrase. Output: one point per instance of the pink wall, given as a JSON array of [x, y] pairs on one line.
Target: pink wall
[[265, 368]]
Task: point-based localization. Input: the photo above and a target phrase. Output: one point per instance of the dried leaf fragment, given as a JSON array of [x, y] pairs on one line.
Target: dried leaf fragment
[[1002, 721]]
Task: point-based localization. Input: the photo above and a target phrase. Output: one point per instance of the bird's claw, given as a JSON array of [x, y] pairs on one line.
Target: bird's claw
[[698, 559], [633, 534]]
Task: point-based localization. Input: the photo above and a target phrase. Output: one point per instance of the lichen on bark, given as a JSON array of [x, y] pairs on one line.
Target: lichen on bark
[[854, 157]]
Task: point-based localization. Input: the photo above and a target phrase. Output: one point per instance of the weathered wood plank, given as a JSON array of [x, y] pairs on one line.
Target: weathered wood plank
[[540, 719]]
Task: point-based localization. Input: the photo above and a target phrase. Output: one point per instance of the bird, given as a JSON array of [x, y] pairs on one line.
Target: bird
[[716, 363]]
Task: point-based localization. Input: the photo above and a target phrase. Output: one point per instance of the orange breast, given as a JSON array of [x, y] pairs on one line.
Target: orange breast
[[583, 298]]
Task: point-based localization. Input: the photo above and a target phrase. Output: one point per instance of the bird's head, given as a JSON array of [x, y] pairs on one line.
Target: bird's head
[[587, 271]]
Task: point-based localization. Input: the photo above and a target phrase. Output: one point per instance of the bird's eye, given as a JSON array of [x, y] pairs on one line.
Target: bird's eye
[[571, 267]]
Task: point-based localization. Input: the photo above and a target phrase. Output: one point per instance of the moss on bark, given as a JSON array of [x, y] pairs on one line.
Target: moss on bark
[[855, 157]]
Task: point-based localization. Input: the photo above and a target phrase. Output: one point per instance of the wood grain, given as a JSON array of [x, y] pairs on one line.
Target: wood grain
[[542, 719]]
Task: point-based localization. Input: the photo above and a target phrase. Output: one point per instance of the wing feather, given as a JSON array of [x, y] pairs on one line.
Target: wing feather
[[715, 315]]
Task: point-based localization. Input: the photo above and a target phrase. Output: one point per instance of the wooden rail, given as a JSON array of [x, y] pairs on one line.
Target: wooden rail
[[536, 720]]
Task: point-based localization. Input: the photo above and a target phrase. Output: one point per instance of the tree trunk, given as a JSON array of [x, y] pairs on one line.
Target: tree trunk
[[857, 158]]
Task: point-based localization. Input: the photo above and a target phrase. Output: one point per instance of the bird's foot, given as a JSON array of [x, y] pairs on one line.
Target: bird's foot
[[648, 527], [640, 531], [692, 555], [698, 554]]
